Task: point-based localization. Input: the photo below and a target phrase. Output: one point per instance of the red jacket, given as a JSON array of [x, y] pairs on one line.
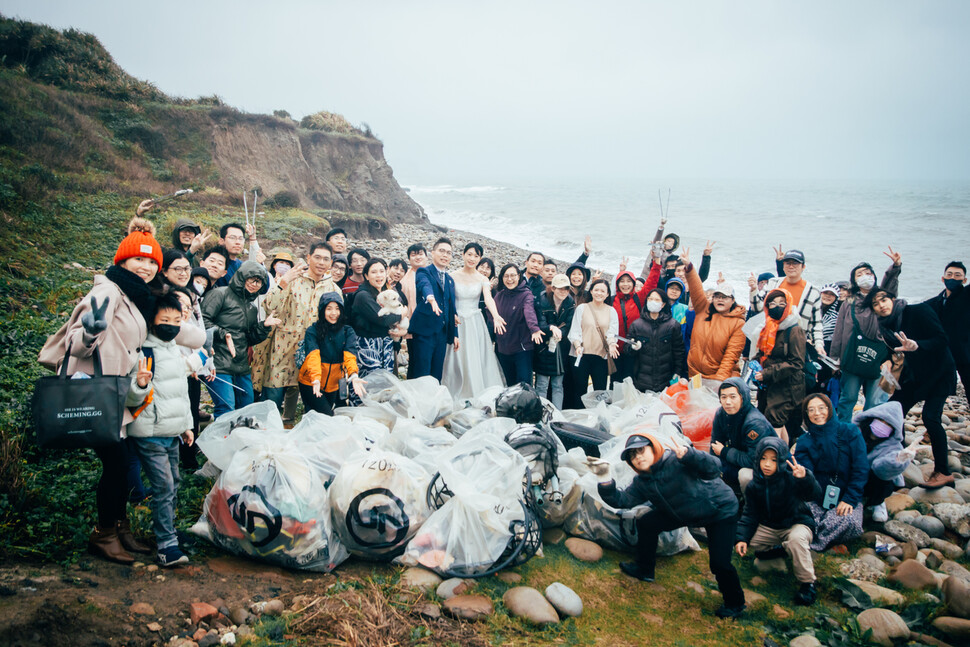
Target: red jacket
[[629, 306]]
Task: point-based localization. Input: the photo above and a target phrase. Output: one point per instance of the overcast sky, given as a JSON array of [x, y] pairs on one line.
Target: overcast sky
[[497, 91]]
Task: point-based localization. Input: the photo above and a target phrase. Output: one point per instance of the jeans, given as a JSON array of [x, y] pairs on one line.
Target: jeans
[[517, 367], [850, 384], [224, 397], [542, 387], [160, 458], [281, 396], [720, 544], [136, 488]]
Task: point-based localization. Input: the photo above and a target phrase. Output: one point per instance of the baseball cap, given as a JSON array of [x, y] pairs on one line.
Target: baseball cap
[[794, 255]]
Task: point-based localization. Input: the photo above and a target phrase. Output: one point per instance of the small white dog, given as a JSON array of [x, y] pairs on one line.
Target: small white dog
[[390, 303]]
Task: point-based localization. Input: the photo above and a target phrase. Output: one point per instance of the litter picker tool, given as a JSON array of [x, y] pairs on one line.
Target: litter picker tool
[[171, 196]]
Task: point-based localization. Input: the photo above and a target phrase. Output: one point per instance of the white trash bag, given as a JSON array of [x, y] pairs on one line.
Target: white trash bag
[[217, 441], [413, 440]]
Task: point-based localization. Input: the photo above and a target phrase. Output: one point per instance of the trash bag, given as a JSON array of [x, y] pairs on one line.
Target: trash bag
[[496, 427], [424, 399], [337, 439], [667, 429], [270, 503], [486, 399], [560, 498], [460, 422], [576, 435], [521, 403], [414, 440], [368, 412], [379, 502], [217, 441], [650, 410], [616, 528], [483, 464], [539, 448], [696, 409], [597, 418], [593, 398]]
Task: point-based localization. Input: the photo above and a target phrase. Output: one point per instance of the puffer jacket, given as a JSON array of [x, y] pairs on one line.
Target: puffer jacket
[[717, 340], [168, 414], [661, 353], [518, 307], [836, 454], [740, 433], [882, 452], [334, 356], [231, 309], [777, 501], [688, 490], [629, 306], [930, 369], [546, 363], [367, 323], [954, 313]]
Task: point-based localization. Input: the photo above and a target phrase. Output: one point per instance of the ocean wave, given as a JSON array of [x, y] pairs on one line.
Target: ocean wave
[[447, 188]]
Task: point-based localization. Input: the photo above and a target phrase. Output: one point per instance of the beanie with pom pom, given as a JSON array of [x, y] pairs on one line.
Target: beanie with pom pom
[[140, 241]]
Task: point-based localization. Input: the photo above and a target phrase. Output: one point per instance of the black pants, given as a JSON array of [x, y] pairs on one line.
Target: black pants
[[877, 490], [625, 364], [112, 491], [720, 543], [570, 388], [323, 404], [963, 370], [590, 366], [932, 420]]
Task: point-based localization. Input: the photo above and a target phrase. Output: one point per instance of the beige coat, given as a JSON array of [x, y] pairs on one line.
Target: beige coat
[[274, 360], [118, 344]]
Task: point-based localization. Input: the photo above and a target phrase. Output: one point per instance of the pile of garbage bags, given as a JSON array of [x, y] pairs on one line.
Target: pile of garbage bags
[[414, 477]]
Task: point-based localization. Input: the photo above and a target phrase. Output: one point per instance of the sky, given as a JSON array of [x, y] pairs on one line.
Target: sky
[[464, 92]]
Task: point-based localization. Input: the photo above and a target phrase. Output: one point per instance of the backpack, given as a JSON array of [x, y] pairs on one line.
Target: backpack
[[149, 355]]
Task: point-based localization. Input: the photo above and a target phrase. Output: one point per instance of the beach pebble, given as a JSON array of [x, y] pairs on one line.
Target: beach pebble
[[564, 599], [879, 595], [509, 577], [956, 595], [953, 569], [452, 587], [584, 550], [887, 627], [905, 532], [948, 548], [897, 502], [805, 640], [469, 607], [753, 597], [954, 628], [420, 578], [142, 609], [913, 475], [954, 516], [937, 495], [526, 602], [930, 525], [962, 486], [912, 575], [868, 568]]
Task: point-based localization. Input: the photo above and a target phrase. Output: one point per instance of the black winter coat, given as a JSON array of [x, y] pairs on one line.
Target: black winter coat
[[661, 354], [365, 319], [778, 501], [231, 309], [740, 433], [929, 370], [688, 490], [544, 362], [954, 314]]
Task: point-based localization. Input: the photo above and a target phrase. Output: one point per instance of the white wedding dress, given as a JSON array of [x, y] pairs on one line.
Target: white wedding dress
[[474, 367]]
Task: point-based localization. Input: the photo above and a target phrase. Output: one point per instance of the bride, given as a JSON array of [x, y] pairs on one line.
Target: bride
[[474, 366]]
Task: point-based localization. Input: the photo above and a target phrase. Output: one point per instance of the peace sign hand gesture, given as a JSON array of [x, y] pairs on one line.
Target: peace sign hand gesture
[[94, 322], [679, 450], [798, 471], [906, 345], [685, 255], [709, 248], [144, 374], [779, 253], [895, 256]]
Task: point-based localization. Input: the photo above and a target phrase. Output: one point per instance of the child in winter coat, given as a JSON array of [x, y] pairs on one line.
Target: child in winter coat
[[776, 512], [683, 487], [882, 429], [159, 395], [330, 353]]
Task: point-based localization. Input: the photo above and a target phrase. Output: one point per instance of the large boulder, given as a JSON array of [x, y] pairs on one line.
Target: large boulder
[[912, 575], [905, 532], [954, 516], [897, 502], [887, 627], [930, 525], [868, 568], [956, 596], [584, 549], [948, 548], [953, 569], [936, 495]]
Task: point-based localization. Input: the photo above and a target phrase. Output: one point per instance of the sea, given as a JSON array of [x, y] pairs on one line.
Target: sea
[[836, 224]]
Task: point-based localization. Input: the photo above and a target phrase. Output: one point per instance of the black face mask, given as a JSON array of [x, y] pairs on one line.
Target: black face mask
[[166, 332], [775, 312], [952, 284]]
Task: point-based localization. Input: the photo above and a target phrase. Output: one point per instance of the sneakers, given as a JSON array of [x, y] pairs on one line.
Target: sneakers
[[635, 571], [171, 556], [938, 480], [725, 611], [879, 513], [806, 594]]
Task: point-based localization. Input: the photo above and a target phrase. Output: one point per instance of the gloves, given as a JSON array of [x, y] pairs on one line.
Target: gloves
[[636, 345], [599, 467], [94, 322]]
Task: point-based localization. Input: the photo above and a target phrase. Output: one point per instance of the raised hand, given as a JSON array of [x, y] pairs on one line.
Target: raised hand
[[200, 240], [798, 471], [94, 322], [779, 252], [230, 345], [588, 245], [720, 278], [144, 206], [251, 231], [537, 337], [598, 274], [272, 320], [894, 255], [260, 256], [144, 374], [741, 548], [752, 282], [679, 450], [685, 255], [623, 263], [709, 247], [292, 274], [906, 345], [598, 466]]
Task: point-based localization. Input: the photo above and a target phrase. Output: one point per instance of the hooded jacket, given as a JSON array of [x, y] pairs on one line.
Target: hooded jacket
[[777, 501], [954, 314], [169, 413], [836, 454], [231, 309], [717, 340], [517, 307], [688, 490], [783, 369], [739, 433], [868, 322], [554, 363], [580, 295], [661, 353], [629, 306], [332, 357], [180, 224], [883, 452]]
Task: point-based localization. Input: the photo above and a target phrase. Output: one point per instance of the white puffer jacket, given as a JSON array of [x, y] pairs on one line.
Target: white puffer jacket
[[169, 413]]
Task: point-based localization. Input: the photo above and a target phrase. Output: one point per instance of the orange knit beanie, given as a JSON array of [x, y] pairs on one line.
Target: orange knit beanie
[[140, 241]]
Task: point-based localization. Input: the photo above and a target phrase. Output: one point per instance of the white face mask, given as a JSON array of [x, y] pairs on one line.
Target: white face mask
[[866, 281], [282, 267], [199, 286], [654, 306]]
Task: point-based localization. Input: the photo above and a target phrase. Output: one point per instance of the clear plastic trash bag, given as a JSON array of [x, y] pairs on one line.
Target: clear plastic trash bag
[[696, 409], [483, 464], [521, 403], [271, 504], [597, 417], [460, 422], [424, 399], [218, 442], [337, 439], [413, 440], [379, 501], [560, 498]]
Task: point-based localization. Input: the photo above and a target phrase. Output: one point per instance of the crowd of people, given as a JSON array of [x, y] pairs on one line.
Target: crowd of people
[[312, 326]]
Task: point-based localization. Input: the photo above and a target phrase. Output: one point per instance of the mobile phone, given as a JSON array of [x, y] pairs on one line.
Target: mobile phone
[[343, 392], [831, 497]]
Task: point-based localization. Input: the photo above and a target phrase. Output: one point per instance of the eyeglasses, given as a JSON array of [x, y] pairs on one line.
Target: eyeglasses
[[235, 238], [180, 270]]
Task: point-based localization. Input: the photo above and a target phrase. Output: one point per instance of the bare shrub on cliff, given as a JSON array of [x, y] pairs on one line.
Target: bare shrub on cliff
[[327, 122], [284, 199]]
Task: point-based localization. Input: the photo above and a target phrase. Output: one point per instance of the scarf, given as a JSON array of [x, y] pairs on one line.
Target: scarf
[[766, 340], [890, 325], [135, 289]]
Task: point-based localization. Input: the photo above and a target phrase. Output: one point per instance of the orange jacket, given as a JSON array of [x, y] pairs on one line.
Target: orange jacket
[[715, 345], [328, 374]]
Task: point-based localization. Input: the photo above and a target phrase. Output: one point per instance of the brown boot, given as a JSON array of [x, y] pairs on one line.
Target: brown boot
[[938, 480], [104, 542], [128, 540]]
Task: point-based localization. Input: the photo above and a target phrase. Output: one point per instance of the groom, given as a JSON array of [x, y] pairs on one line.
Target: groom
[[433, 324]]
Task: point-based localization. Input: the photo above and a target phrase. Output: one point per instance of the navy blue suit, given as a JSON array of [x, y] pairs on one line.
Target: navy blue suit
[[431, 334]]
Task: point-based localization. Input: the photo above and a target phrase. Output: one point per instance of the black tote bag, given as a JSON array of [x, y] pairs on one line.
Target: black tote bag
[[863, 356], [79, 413]]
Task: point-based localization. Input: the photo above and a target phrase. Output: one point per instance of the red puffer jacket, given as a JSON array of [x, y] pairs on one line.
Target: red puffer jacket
[[629, 306]]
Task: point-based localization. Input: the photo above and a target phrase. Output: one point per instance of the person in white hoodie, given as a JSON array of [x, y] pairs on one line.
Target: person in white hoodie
[[159, 397]]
